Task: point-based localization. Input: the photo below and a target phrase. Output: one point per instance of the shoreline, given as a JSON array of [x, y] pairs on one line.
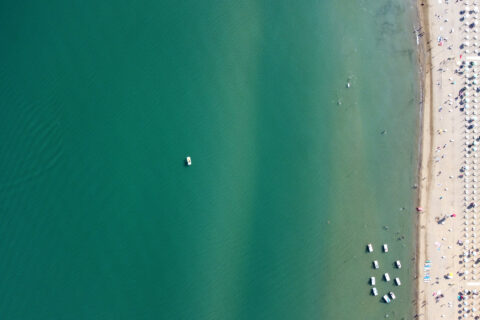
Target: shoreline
[[425, 138]]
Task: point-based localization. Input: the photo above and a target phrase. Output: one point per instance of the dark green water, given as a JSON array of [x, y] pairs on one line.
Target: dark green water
[[100, 102]]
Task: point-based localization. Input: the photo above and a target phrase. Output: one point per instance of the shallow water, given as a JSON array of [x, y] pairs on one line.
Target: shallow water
[[291, 176]]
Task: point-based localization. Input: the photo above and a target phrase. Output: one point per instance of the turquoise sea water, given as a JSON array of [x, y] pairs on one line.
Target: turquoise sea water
[[100, 102]]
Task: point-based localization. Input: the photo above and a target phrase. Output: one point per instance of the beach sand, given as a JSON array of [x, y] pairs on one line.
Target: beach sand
[[445, 191]]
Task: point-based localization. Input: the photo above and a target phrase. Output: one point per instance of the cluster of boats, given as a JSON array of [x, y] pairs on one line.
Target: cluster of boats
[[390, 296]]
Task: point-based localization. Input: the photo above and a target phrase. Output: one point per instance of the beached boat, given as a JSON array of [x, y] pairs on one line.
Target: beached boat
[[386, 299], [372, 281], [392, 295], [386, 276], [370, 247], [398, 264], [188, 161], [385, 247], [375, 264], [397, 282], [374, 291]]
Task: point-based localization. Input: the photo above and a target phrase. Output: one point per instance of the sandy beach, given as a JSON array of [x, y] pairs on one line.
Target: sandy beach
[[448, 278]]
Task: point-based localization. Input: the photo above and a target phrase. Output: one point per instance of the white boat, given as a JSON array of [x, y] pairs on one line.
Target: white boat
[[385, 247], [392, 295], [386, 299], [372, 281], [375, 264], [398, 264], [188, 160], [370, 247], [397, 282], [374, 291], [387, 277]]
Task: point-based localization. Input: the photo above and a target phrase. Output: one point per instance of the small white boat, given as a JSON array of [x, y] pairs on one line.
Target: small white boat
[[386, 299], [385, 247], [372, 281], [188, 160], [397, 282], [374, 291], [398, 264], [370, 247], [375, 264], [392, 295], [387, 277]]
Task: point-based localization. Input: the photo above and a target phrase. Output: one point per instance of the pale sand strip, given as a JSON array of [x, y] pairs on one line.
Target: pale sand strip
[[446, 147]]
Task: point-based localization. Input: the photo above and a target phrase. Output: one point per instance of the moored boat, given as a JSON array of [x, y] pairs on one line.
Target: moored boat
[[392, 295], [387, 277], [397, 282], [375, 264], [398, 264], [372, 281], [386, 299], [369, 247], [385, 247], [374, 291]]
